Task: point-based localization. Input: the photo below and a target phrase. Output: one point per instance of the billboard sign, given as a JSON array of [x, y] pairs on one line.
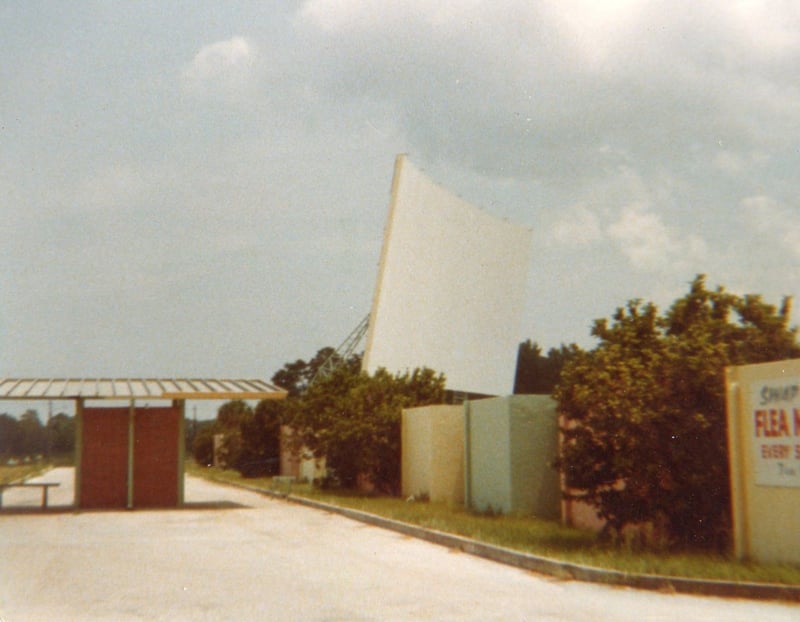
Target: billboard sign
[[775, 431]]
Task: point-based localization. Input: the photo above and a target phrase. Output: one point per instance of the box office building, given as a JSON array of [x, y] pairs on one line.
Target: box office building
[[132, 455]]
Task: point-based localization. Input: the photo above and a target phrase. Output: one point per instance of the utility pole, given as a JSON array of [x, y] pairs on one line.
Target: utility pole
[[48, 431]]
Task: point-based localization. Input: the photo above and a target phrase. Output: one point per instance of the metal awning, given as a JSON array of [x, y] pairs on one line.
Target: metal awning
[[138, 388]]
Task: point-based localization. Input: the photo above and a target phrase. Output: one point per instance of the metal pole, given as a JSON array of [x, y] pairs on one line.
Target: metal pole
[[78, 450], [467, 456], [131, 445], [48, 431], [180, 407]]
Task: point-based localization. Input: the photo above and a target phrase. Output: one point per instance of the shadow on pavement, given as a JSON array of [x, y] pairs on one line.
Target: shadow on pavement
[[69, 509]]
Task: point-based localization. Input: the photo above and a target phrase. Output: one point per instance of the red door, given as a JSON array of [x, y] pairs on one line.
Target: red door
[[104, 458], [105, 451], [155, 457]]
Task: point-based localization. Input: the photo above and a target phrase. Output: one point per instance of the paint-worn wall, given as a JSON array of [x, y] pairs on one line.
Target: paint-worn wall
[[298, 462], [432, 441], [511, 444], [764, 453], [534, 437], [290, 460]]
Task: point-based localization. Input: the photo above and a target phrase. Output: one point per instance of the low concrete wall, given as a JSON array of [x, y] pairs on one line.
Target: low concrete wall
[[511, 443], [432, 441]]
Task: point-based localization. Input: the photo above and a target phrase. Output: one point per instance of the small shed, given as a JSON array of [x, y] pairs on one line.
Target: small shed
[[511, 443], [432, 442], [132, 456]]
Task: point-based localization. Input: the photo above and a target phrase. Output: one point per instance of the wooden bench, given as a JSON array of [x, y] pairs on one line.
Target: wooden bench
[[45, 486], [284, 481]]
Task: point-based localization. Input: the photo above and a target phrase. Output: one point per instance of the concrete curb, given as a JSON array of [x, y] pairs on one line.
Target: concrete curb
[[552, 567]]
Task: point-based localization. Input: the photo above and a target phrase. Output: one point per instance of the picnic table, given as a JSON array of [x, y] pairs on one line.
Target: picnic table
[[45, 486]]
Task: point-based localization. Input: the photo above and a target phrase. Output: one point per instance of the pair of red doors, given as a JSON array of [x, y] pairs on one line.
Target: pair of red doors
[[130, 456]]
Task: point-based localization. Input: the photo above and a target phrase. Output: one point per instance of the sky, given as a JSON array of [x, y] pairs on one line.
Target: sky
[[199, 189]]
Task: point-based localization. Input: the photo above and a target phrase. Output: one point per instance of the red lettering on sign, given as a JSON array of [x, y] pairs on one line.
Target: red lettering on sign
[[775, 452], [797, 421], [783, 424], [772, 423], [761, 422]]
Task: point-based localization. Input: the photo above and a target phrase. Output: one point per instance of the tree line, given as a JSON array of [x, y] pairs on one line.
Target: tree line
[[644, 427], [350, 417], [28, 437]]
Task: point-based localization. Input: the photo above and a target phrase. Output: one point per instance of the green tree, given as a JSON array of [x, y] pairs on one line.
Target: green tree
[[261, 440], [230, 418], [10, 436], [231, 414], [34, 438], [536, 373], [61, 433], [203, 446], [297, 376], [645, 438], [353, 419]]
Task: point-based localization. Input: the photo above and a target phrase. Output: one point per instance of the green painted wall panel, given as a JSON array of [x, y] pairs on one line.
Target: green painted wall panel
[[534, 446], [489, 455], [512, 442]]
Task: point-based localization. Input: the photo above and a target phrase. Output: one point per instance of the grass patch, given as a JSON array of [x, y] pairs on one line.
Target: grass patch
[[20, 472], [26, 470], [530, 535]]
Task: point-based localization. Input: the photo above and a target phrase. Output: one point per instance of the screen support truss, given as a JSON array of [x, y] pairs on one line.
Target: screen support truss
[[343, 352]]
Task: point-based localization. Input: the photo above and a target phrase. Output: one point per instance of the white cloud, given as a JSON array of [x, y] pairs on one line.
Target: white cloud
[[650, 245], [578, 226], [226, 67], [643, 237], [351, 15], [770, 33], [598, 31], [729, 162], [336, 15], [649, 79], [675, 109], [775, 222]]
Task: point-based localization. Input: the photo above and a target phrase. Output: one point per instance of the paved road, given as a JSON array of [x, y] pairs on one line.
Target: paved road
[[272, 560]]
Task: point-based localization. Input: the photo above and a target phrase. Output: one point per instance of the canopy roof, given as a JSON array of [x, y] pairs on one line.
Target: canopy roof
[[137, 388]]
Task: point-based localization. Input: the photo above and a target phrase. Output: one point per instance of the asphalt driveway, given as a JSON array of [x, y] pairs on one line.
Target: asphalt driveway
[[237, 555]]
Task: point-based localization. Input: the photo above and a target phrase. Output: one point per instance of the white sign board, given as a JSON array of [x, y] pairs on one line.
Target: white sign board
[[775, 428], [763, 402]]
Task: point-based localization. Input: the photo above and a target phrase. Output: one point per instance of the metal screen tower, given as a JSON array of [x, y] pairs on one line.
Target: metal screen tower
[[343, 352]]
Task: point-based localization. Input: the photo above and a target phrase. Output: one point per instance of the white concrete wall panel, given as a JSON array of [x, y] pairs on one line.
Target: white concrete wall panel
[[451, 288]]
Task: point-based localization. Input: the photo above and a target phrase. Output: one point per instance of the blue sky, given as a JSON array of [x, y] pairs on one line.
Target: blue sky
[[200, 188]]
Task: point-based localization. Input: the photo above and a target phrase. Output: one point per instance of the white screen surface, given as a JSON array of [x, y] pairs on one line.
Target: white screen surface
[[451, 288]]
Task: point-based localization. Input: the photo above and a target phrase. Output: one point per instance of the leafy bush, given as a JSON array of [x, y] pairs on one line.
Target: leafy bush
[[645, 439], [353, 419]]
